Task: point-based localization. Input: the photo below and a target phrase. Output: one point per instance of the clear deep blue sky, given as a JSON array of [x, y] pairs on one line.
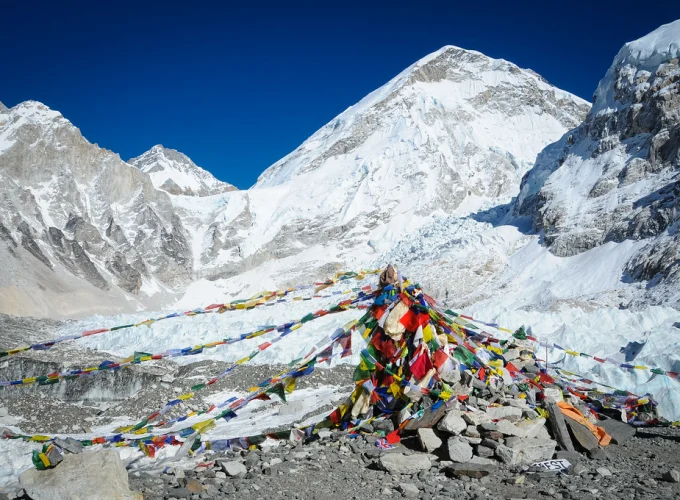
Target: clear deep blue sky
[[239, 85]]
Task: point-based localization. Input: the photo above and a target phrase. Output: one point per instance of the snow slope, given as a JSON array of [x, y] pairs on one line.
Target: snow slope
[[175, 173]]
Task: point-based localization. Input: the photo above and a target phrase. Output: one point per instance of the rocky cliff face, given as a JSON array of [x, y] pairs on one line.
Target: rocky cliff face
[[176, 174], [614, 177], [69, 209]]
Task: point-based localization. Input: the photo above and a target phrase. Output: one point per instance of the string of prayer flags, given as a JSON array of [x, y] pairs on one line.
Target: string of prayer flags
[[267, 298], [141, 357]]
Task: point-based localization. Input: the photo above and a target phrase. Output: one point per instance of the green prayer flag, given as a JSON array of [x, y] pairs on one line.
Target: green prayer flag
[[307, 318], [278, 390]]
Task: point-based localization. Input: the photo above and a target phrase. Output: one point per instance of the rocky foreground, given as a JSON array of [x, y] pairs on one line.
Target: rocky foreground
[[354, 468]]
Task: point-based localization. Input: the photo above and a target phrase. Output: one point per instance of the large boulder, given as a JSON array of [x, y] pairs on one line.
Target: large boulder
[[96, 475]]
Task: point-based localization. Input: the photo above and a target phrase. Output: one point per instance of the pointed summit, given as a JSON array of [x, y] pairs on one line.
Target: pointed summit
[[3, 108], [175, 173]]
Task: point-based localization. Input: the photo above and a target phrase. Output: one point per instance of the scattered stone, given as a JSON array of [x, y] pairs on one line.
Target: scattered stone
[[409, 490], [516, 480], [672, 476], [398, 463], [598, 454], [429, 441], [234, 468], [325, 434], [69, 444], [472, 470], [459, 450], [489, 426], [604, 472], [507, 428], [80, 477], [193, 486]]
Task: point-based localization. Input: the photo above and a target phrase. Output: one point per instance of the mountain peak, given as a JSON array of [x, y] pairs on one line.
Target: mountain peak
[[635, 63], [452, 96], [175, 173], [3, 108]]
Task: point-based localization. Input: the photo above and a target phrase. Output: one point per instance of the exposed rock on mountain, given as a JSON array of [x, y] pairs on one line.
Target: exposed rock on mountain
[[76, 221], [615, 177], [450, 132], [175, 173], [454, 131]]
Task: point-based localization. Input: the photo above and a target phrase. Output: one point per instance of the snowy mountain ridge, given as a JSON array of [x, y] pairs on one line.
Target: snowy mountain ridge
[[175, 173]]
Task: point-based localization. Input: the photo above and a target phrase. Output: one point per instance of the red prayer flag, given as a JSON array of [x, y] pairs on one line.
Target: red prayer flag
[[393, 437], [410, 321]]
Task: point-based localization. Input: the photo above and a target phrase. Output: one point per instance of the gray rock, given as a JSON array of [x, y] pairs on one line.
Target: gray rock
[[504, 412], [96, 475], [529, 428], [598, 454], [472, 431], [476, 471], [672, 476], [459, 450], [398, 463], [525, 451], [619, 431], [452, 423], [604, 472], [409, 490], [429, 441], [69, 444], [234, 468], [483, 451], [489, 426]]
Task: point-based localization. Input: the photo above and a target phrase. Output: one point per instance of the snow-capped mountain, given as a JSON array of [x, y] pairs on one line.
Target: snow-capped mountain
[[175, 173], [451, 132], [615, 177], [587, 255], [80, 229]]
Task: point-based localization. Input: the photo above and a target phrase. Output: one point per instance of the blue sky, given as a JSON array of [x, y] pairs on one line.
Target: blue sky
[[236, 86]]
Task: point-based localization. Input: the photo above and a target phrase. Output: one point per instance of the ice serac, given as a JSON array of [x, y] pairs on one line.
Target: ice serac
[[175, 173], [452, 131], [614, 177], [80, 229]]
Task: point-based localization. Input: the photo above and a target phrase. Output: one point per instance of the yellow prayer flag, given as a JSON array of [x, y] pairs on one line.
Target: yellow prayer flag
[[185, 396], [290, 386]]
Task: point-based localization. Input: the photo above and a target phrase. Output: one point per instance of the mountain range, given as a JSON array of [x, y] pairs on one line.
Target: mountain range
[[460, 169]]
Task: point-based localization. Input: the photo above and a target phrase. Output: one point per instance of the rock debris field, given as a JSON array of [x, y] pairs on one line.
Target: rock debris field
[[341, 467]]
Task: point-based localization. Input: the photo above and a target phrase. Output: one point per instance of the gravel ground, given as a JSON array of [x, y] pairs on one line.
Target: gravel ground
[[339, 467]]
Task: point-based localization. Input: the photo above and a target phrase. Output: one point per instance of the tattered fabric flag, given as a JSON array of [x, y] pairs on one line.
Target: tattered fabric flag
[[279, 390]]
